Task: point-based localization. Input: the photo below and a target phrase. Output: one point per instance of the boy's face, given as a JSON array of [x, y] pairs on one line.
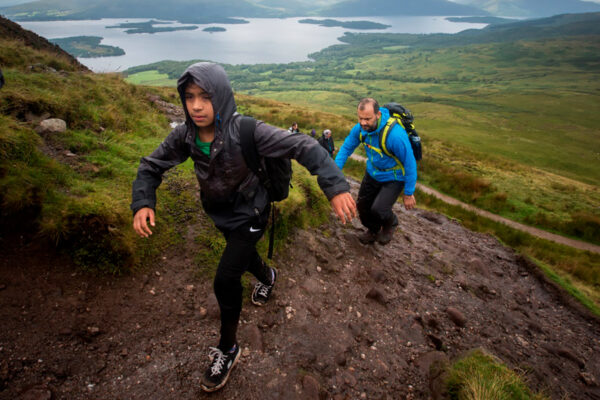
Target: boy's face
[[199, 106]]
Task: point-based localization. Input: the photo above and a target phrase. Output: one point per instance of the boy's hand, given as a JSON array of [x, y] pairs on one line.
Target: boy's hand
[[409, 201], [140, 224], [344, 207]]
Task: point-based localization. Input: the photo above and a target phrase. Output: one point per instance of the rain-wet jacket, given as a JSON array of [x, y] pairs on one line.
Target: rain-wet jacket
[[380, 166], [231, 194]]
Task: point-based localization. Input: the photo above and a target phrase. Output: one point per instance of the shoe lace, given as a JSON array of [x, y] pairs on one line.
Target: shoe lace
[[263, 290], [218, 360]]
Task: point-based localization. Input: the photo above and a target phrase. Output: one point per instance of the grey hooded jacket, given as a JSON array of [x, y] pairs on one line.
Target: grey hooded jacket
[[231, 194]]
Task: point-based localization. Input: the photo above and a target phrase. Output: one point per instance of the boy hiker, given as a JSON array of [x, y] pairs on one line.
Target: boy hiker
[[385, 176], [326, 141], [231, 193]]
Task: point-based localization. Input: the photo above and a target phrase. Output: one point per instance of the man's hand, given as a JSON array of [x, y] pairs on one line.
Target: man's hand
[[140, 224], [409, 201], [344, 207]]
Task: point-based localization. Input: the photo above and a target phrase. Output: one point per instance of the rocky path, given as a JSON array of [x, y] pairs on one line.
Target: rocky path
[[347, 321], [540, 233]]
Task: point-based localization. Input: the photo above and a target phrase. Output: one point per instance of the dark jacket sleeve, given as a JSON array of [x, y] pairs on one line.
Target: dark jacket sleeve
[[172, 151], [277, 143]]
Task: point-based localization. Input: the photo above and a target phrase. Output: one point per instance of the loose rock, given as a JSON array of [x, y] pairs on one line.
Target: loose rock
[[456, 316], [52, 125]]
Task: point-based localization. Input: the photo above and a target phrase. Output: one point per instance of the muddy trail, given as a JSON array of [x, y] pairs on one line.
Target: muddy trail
[[347, 321]]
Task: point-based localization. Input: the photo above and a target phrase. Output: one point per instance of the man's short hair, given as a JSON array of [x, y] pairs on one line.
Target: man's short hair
[[369, 100]]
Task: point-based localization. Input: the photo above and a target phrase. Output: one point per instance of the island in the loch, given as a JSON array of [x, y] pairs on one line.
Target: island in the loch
[[481, 20], [149, 27], [87, 47], [212, 29], [345, 24]]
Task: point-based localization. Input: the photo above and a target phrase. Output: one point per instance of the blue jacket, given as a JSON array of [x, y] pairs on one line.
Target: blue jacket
[[378, 163]]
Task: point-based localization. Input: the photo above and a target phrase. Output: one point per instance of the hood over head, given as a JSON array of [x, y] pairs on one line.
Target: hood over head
[[213, 79]]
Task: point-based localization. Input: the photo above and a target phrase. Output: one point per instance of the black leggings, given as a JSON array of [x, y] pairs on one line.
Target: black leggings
[[239, 256], [375, 202]]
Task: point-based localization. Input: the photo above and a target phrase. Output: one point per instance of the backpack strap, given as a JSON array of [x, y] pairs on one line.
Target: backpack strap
[[252, 158], [247, 127], [391, 123]]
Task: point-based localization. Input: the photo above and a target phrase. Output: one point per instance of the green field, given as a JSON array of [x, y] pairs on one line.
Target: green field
[[153, 78]]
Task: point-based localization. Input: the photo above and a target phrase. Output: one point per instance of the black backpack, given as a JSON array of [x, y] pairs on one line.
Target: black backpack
[[405, 117], [276, 177]]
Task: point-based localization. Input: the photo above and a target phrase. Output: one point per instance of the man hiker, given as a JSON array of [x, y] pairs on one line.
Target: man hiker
[[385, 177], [294, 128], [231, 194], [327, 142]]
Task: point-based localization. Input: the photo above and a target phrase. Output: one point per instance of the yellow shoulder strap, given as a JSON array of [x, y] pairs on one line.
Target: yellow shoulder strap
[[383, 138]]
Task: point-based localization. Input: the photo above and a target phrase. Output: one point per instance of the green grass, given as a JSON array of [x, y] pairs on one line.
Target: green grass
[[479, 376]]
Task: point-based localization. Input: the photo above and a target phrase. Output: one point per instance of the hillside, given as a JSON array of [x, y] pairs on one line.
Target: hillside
[[347, 321], [12, 31]]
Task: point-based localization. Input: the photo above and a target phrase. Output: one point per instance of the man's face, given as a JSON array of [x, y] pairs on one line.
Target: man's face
[[199, 106], [367, 118]]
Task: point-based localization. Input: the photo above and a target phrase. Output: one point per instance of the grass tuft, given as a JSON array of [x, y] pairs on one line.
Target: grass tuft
[[479, 376]]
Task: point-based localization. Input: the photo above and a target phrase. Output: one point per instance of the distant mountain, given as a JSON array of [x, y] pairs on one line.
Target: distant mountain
[[532, 8], [203, 11], [356, 8], [182, 10]]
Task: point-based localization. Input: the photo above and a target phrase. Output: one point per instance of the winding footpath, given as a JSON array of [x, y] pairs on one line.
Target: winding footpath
[[542, 234]]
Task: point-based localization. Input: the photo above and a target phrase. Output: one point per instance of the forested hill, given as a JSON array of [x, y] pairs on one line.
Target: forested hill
[[354, 8], [558, 26], [534, 8]]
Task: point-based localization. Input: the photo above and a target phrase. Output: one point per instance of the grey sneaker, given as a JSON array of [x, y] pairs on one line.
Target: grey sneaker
[[262, 292], [221, 365]]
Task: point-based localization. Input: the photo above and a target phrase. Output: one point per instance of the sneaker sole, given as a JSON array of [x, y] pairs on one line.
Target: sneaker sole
[[219, 386], [258, 303]]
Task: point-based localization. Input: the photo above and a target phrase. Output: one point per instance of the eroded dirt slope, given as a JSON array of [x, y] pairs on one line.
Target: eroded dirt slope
[[347, 321]]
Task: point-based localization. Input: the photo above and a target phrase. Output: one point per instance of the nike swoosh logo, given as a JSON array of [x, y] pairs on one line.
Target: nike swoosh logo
[[254, 230]]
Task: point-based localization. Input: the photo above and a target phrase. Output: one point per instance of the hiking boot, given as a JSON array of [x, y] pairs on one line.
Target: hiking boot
[[367, 237], [385, 236], [221, 365], [262, 292]]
